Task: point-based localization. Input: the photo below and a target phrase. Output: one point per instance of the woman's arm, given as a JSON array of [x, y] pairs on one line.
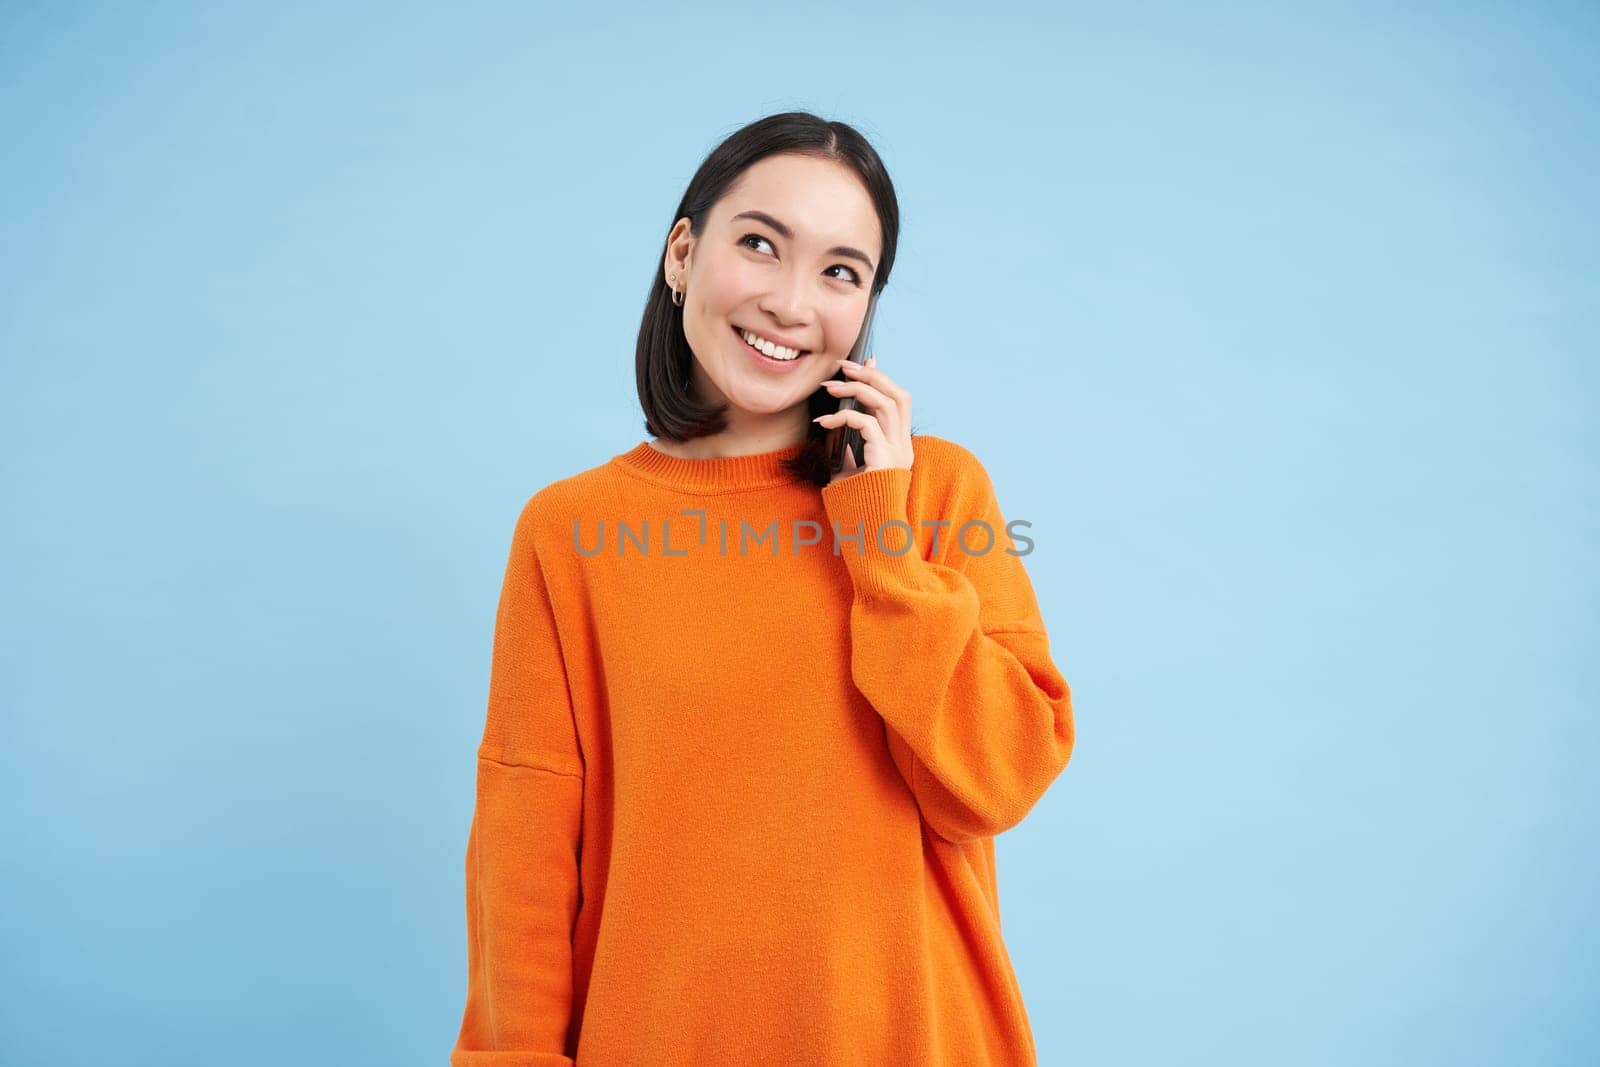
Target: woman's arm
[[522, 874], [952, 652]]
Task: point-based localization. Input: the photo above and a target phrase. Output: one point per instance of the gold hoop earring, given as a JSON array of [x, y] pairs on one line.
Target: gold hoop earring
[[677, 294]]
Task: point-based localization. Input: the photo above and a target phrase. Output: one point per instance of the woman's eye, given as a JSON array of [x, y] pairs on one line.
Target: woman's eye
[[855, 276]]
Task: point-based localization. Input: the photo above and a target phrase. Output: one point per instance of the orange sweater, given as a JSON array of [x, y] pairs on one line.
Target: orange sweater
[[739, 807]]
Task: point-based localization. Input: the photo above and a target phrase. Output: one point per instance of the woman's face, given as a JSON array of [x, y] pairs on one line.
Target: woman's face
[[788, 253]]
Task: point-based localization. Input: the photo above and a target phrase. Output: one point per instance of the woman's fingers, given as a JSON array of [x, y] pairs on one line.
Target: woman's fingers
[[870, 428], [874, 378], [885, 422], [882, 407], [869, 397]]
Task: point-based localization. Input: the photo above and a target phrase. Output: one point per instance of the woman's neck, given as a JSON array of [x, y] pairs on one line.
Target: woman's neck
[[739, 440]]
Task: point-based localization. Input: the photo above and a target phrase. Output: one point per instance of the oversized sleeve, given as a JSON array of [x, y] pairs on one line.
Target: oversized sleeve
[[951, 651], [522, 874]]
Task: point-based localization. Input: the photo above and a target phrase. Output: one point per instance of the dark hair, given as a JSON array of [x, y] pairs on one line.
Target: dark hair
[[663, 357]]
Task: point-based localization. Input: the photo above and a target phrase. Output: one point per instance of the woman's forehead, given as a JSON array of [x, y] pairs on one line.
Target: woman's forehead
[[817, 200]]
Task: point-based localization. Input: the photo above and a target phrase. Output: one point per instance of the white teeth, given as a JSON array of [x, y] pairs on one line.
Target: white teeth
[[768, 348]]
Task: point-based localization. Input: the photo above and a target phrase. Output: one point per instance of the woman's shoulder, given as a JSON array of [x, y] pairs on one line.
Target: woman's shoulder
[[945, 453], [948, 468], [549, 510]]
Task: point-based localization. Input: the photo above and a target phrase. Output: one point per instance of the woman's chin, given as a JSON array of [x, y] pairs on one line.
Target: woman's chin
[[758, 399]]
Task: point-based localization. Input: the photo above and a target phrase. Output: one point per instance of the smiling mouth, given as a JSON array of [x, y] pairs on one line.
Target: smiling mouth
[[739, 333]]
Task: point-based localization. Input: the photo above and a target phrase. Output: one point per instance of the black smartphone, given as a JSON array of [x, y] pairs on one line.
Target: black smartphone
[[848, 436]]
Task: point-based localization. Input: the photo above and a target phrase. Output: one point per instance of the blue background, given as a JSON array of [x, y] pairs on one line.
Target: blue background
[[1278, 325]]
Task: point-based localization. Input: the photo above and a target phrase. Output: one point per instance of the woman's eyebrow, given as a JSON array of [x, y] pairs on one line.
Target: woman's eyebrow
[[788, 234]]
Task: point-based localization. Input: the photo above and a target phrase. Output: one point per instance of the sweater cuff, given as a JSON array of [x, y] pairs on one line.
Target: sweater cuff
[[873, 532]]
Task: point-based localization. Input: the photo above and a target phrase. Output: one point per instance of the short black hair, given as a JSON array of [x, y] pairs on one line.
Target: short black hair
[[663, 358]]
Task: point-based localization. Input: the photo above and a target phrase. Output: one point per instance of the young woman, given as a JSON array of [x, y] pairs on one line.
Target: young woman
[[753, 723]]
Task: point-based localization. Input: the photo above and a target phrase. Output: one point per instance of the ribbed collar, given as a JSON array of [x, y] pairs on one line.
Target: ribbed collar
[[722, 474]]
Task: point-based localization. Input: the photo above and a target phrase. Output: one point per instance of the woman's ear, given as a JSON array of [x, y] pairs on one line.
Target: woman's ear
[[680, 248]]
